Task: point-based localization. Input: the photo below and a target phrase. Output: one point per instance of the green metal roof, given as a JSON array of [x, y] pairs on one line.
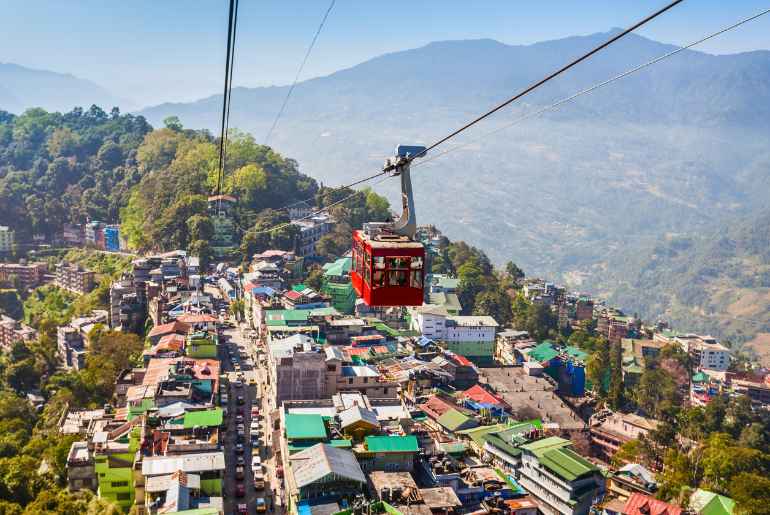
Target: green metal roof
[[448, 282], [301, 426], [477, 434], [566, 463], [540, 446], [576, 353], [543, 352], [340, 267], [406, 443], [453, 420], [453, 447], [342, 443], [299, 287], [700, 377], [704, 502], [204, 418]]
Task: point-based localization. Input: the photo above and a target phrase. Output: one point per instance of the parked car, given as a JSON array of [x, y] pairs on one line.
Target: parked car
[[261, 505], [239, 448], [241, 400], [240, 490], [239, 472], [242, 509]]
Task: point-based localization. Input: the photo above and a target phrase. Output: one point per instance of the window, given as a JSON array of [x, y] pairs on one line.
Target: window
[[366, 380], [118, 484], [123, 496], [385, 391], [350, 380], [331, 368]]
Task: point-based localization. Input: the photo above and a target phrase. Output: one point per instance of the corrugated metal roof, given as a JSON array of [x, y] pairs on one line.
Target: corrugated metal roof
[[395, 443], [566, 463], [321, 460], [357, 414], [305, 427], [204, 418], [454, 420], [639, 504], [704, 502], [160, 465]]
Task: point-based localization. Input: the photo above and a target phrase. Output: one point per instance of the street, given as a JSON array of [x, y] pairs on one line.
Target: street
[[253, 380]]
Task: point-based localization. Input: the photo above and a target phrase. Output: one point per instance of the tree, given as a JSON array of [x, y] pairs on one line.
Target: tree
[[597, 367], [723, 460], [495, 303], [514, 272], [656, 392], [314, 277], [751, 493], [200, 227], [110, 155], [615, 394], [676, 476], [172, 123]]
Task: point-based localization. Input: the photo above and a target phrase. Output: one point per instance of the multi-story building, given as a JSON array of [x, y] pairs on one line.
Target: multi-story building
[[472, 337], [584, 309], [337, 286], [12, 331], [310, 231], [6, 239], [430, 321], [706, 352], [72, 339], [72, 349], [611, 430], [74, 278], [561, 481], [28, 275]]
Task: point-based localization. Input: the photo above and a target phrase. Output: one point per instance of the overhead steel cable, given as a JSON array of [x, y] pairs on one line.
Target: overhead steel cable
[[299, 72], [225, 96], [553, 75], [325, 208], [229, 91], [554, 105], [590, 89]]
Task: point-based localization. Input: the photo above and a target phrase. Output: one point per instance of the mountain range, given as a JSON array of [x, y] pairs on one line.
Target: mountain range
[[586, 193], [22, 88]]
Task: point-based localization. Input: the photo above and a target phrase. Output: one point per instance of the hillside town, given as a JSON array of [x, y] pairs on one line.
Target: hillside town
[[269, 386]]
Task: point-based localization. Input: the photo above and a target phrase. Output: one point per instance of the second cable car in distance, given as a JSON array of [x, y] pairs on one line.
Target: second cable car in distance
[[388, 266]]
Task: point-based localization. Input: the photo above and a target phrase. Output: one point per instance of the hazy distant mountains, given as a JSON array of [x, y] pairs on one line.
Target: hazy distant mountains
[[586, 192], [22, 88], [674, 148]]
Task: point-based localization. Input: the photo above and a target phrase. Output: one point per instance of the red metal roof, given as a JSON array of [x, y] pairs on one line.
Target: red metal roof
[[293, 295], [435, 407], [478, 394], [460, 360], [193, 318], [639, 504], [176, 326]]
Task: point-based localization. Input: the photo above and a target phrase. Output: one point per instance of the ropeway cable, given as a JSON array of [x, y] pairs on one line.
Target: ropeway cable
[[590, 89]]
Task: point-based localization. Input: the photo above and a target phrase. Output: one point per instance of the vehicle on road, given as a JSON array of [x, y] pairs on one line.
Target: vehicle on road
[[240, 490], [256, 463], [240, 400], [239, 472], [240, 461], [259, 481], [279, 472], [242, 509], [239, 448], [260, 504], [239, 419], [252, 380]]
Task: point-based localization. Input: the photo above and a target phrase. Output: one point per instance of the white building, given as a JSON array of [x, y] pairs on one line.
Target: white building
[[705, 351], [430, 320], [6, 239]]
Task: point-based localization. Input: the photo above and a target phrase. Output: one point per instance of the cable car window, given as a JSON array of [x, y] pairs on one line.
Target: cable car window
[[416, 263], [379, 262], [416, 279], [397, 277], [367, 268], [398, 263]]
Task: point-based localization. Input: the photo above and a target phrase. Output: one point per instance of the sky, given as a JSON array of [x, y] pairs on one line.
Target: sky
[[153, 51]]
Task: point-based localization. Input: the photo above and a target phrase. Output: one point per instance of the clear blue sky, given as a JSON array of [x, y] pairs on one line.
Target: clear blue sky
[[151, 51]]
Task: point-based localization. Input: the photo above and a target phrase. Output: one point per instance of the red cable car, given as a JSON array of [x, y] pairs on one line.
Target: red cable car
[[388, 264]]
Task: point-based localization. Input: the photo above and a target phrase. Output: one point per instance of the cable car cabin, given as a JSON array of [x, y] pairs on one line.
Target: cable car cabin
[[388, 269]]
